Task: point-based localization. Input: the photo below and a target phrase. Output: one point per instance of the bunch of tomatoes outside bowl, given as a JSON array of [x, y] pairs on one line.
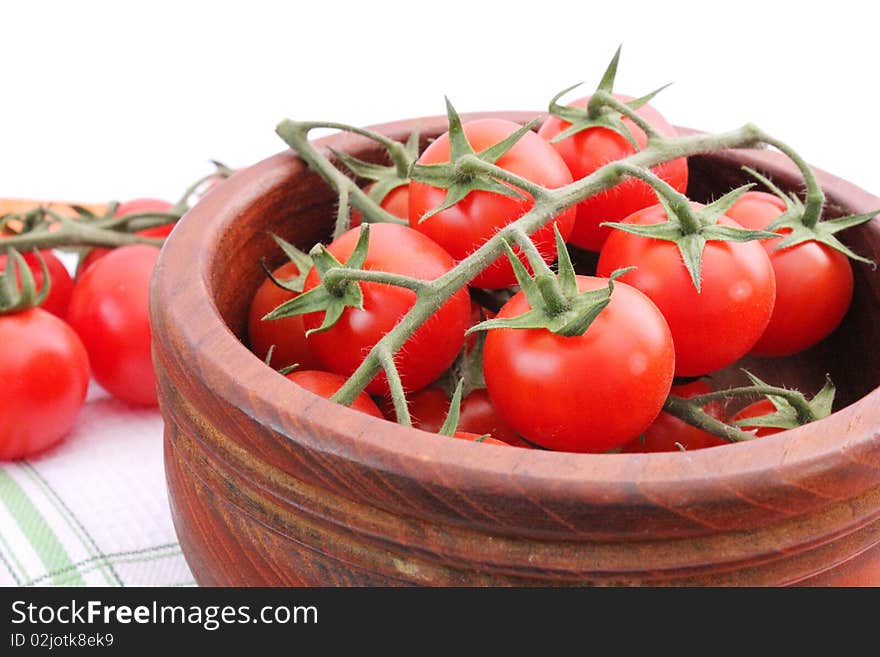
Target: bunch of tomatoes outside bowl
[[447, 298], [59, 330]]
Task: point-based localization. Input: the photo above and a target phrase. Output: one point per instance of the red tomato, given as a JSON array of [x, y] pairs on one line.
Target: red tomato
[[757, 409], [61, 284], [667, 430], [396, 202], [288, 334], [465, 226], [326, 384], [431, 349], [588, 393], [136, 206], [713, 328], [45, 373], [593, 148], [109, 311], [428, 409], [475, 437], [814, 283]]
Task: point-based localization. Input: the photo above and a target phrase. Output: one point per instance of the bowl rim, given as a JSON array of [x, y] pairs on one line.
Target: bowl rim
[[786, 459]]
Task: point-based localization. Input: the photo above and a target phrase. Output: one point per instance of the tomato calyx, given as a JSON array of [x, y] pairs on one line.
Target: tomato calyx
[[793, 409], [18, 288], [385, 178], [690, 227], [604, 110], [468, 171], [302, 261], [339, 286], [556, 304], [796, 227], [331, 296]]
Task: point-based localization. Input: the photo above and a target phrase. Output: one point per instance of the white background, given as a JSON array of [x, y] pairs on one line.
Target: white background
[[113, 100]]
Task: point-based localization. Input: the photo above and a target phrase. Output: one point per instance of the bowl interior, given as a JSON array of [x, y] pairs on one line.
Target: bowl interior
[[306, 215]]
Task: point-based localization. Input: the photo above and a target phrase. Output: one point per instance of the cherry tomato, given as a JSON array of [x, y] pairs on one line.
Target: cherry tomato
[[588, 393], [109, 311], [61, 284], [465, 226], [757, 409], [814, 283], [326, 384], [288, 334], [428, 409], [713, 328], [593, 148], [135, 206], [396, 202], [434, 345], [45, 373], [476, 437], [667, 430]]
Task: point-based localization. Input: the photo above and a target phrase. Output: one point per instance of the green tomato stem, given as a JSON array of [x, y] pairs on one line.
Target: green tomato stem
[[75, 233], [336, 277], [815, 198], [679, 203], [603, 98], [474, 165], [396, 150], [796, 399], [398, 396], [691, 412]]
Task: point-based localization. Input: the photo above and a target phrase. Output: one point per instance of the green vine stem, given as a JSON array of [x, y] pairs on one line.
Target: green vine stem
[[805, 413], [296, 134], [109, 230], [691, 412], [815, 197], [76, 233], [547, 205]]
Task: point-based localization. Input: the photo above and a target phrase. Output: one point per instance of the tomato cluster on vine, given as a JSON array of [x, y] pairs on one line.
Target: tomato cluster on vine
[[581, 361], [57, 330]]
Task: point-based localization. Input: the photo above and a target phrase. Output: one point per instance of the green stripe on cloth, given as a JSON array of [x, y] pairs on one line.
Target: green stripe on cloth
[[145, 555], [43, 540], [75, 525], [14, 558]]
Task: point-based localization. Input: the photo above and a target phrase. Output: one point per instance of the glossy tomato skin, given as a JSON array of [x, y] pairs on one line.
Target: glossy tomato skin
[[814, 283], [61, 284], [434, 345], [396, 202], [464, 227], [288, 334], [135, 206], [589, 393], [595, 147], [715, 327], [45, 373], [109, 311], [757, 409], [326, 384], [667, 430]]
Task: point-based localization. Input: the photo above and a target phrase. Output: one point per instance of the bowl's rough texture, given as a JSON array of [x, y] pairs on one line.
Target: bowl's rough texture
[[271, 485]]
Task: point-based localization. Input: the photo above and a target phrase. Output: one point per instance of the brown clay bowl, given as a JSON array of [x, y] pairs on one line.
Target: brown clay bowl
[[271, 485]]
